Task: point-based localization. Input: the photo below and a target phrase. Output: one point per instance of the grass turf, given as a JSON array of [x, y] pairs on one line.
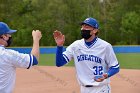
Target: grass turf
[[126, 60], [129, 60]]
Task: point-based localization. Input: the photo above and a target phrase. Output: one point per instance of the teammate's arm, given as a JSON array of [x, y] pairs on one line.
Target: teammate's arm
[[22, 60], [36, 37]]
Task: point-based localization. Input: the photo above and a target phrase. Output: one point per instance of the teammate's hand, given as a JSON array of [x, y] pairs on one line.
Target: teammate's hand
[[101, 78], [36, 35], [59, 38]]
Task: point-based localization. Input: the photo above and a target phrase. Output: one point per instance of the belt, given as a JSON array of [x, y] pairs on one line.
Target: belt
[[88, 86]]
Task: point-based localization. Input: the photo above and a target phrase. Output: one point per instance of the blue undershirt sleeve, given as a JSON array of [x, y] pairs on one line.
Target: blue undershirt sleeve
[[112, 71], [35, 62], [60, 60]]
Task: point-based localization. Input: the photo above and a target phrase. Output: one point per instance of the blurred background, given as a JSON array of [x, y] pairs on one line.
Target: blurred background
[[119, 20], [119, 24]]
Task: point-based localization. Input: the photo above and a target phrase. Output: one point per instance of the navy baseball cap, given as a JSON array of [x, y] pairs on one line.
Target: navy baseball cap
[[4, 29], [91, 22]]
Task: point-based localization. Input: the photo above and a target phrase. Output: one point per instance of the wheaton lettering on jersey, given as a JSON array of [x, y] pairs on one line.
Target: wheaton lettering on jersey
[[89, 58]]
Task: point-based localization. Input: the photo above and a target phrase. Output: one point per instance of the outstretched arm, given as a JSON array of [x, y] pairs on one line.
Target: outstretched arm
[[59, 39], [36, 38], [23, 60]]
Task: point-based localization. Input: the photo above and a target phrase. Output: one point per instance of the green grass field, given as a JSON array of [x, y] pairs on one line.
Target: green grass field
[[129, 60], [126, 60]]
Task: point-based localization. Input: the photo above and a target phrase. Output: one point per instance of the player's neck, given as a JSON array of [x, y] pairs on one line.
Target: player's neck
[[90, 39]]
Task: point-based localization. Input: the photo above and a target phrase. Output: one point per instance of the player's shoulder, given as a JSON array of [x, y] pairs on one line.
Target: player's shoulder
[[11, 51], [7, 52]]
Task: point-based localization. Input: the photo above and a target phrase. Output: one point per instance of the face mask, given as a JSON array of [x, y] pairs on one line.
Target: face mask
[[9, 41], [85, 34]]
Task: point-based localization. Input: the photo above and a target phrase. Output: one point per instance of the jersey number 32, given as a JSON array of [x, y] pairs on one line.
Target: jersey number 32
[[98, 70]]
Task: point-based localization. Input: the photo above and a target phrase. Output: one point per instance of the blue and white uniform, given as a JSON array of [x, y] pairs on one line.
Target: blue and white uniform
[[9, 61], [91, 59]]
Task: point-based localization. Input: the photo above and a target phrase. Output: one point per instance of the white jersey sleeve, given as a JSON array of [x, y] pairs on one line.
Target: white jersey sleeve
[[110, 57], [68, 54], [18, 59]]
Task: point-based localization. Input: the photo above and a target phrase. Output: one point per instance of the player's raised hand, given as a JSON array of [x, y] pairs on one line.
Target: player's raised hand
[[59, 38], [36, 35]]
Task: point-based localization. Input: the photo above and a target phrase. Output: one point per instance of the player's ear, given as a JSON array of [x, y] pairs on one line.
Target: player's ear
[[3, 36], [95, 31]]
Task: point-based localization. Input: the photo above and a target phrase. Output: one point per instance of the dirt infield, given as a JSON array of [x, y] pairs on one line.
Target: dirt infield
[[49, 79]]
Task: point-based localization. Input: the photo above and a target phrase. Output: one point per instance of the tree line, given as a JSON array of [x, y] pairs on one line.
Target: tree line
[[119, 21]]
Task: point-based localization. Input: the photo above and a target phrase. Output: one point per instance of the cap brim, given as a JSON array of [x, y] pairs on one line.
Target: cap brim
[[85, 23], [11, 31]]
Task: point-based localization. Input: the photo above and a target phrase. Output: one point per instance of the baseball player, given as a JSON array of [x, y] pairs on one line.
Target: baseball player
[[94, 58], [10, 59]]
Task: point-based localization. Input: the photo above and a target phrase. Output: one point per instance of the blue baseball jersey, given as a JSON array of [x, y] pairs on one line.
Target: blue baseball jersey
[[91, 61], [9, 61]]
